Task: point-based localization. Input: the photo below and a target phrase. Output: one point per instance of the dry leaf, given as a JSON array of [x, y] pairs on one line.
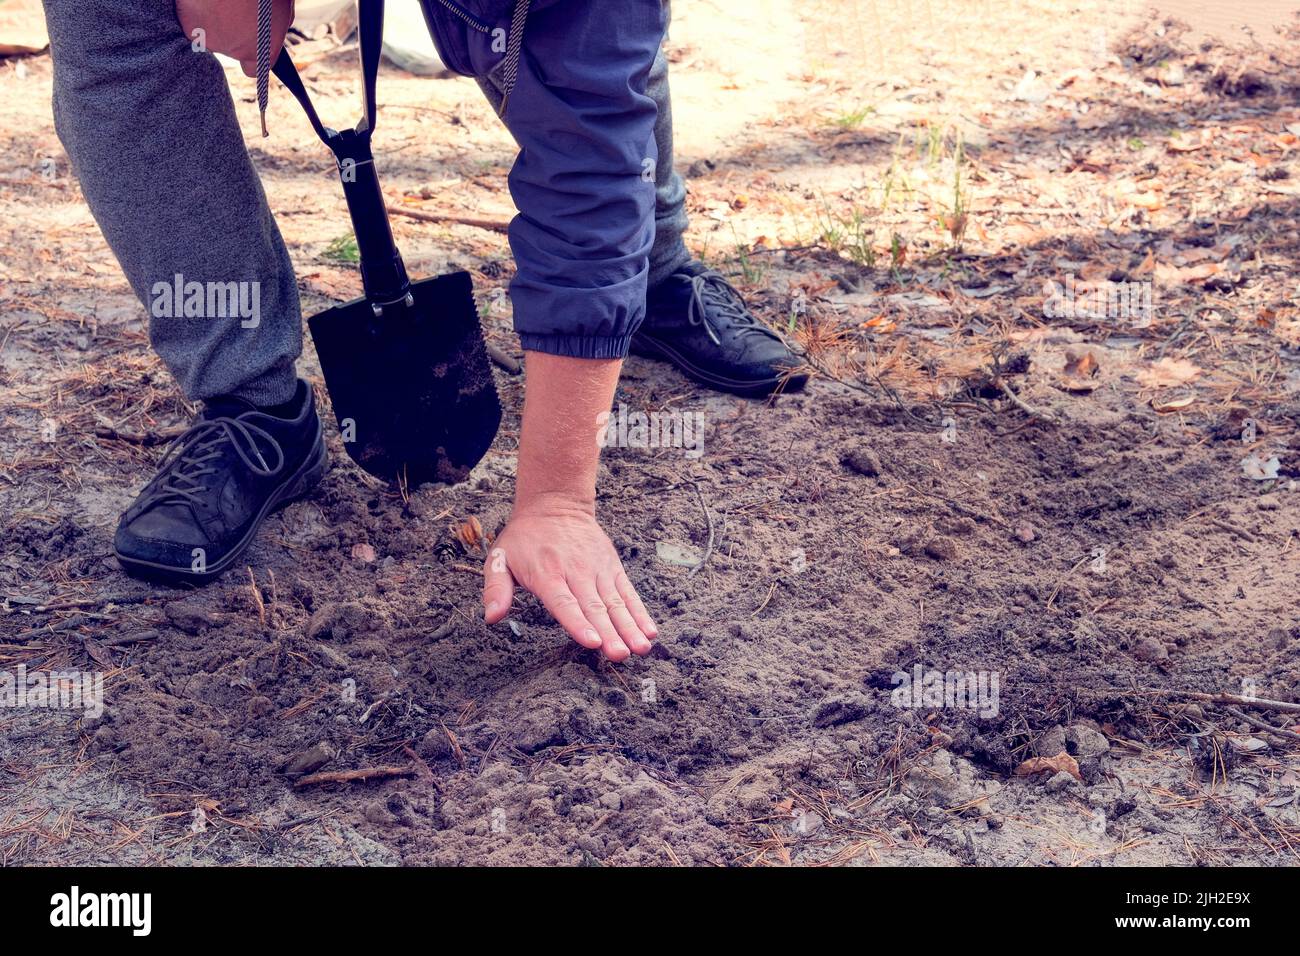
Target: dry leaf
[[470, 534], [1080, 372], [1166, 405], [1062, 762], [1257, 469], [1168, 372], [99, 654], [1081, 364], [1174, 275]]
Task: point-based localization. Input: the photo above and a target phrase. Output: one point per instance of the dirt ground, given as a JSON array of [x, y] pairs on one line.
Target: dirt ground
[[1078, 507]]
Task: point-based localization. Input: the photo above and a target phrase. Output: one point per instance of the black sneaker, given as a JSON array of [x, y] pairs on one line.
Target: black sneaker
[[698, 321], [234, 466]]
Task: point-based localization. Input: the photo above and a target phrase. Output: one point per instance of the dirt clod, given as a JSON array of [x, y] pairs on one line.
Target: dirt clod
[[863, 461], [942, 549]]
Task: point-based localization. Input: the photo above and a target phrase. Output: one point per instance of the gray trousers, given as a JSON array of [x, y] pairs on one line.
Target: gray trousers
[[150, 129]]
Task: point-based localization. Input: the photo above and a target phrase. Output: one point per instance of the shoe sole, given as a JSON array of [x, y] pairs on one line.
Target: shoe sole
[[748, 388], [302, 481]]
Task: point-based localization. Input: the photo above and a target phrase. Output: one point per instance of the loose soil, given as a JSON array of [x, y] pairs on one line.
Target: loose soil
[[1092, 545]]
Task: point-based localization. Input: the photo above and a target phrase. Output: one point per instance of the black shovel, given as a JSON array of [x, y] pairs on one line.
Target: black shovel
[[405, 365]]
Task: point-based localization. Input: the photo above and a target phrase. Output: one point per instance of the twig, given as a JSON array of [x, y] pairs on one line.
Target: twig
[[503, 359], [1262, 725], [257, 598], [1232, 529], [139, 438], [708, 547], [1182, 327], [1252, 703], [418, 761], [137, 638], [960, 508], [349, 776], [770, 591], [78, 603], [73, 622], [492, 225], [1061, 583], [383, 699], [1025, 407]]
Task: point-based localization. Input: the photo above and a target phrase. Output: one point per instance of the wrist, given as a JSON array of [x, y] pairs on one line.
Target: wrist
[[554, 501]]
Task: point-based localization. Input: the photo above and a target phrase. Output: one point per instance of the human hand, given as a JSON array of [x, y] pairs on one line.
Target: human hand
[[555, 549], [230, 27]]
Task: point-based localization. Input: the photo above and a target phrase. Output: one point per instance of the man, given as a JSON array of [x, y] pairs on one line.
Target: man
[[151, 132]]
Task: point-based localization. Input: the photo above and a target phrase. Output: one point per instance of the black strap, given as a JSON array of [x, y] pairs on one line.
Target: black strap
[[370, 29], [382, 272]]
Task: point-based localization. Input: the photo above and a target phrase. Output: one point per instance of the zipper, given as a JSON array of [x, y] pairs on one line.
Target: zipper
[[473, 22]]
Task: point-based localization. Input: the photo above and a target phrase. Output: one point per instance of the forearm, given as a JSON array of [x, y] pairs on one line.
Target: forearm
[[558, 448]]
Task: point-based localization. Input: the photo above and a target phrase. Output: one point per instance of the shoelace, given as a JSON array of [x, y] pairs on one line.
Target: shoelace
[[710, 288], [190, 458], [514, 44], [263, 59]]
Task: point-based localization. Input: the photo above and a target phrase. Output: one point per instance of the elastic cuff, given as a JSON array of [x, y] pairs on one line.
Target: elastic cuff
[[578, 346]]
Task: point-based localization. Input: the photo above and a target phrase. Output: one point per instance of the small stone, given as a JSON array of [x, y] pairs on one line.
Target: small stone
[[190, 618], [1060, 781], [537, 731], [1051, 743], [1084, 741], [611, 801], [701, 168], [378, 813], [1150, 650], [339, 621], [941, 549], [1025, 532], [310, 760], [1248, 745], [435, 745], [864, 461], [839, 710]]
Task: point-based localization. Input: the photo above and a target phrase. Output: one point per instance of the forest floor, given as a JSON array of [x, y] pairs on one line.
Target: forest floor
[[1041, 257]]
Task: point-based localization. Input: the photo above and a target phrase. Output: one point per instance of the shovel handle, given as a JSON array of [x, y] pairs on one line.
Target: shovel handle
[[382, 272]]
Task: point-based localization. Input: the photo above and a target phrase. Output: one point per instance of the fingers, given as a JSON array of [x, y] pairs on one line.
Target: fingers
[[564, 607], [634, 605], [594, 609], [619, 613], [498, 587]]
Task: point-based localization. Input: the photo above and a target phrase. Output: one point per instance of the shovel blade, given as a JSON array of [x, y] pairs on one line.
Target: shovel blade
[[412, 389]]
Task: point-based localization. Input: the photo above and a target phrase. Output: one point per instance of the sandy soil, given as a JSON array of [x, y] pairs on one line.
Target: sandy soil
[[1080, 510]]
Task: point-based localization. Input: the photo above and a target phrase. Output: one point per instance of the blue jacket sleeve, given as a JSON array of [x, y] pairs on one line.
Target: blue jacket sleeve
[[583, 182]]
